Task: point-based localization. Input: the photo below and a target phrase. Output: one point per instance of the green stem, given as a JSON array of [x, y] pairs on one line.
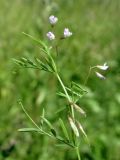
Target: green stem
[[68, 97], [87, 77], [78, 153], [90, 69], [29, 116], [66, 93]]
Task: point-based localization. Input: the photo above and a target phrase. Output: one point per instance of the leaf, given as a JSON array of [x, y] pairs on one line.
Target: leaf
[[36, 40], [30, 62], [64, 141], [28, 115], [53, 132], [28, 130], [18, 62], [50, 126], [60, 110], [43, 66], [60, 145], [24, 59], [64, 128], [50, 64], [43, 115], [47, 122], [61, 94], [77, 88], [77, 93], [26, 63]]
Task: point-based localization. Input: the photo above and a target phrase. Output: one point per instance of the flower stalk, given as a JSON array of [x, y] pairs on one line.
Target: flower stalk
[[67, 95]]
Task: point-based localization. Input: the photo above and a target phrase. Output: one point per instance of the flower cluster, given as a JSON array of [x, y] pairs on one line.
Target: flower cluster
[[103, 67], [51, 36]]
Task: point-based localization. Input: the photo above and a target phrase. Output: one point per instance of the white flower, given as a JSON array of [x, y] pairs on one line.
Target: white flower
[[67, 33], [53, 19], [73, 126], [50, 36], [100, 75], [103, 67]]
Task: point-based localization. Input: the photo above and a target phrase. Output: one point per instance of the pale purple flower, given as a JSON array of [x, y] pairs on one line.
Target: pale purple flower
[[50, 36], [53, 20], [67, 33], [99, 75], [103, 67]]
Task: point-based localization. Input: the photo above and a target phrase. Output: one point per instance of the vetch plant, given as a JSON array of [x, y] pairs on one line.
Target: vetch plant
[[72, 94]]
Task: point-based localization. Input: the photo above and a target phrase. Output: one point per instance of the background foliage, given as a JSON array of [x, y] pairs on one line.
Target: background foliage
[[96, 38]]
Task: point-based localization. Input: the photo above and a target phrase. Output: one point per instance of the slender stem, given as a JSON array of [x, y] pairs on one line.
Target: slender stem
[[67, 95], [56, 48], [29, 116], [90, 69], [78, 153], [47, 134], [86, 80]]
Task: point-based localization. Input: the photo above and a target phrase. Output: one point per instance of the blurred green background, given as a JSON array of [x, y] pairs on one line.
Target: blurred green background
[[96, 39]]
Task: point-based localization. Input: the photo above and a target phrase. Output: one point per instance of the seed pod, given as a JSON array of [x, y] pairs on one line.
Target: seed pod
[[79, 109], [81, 128], [73, 126]]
